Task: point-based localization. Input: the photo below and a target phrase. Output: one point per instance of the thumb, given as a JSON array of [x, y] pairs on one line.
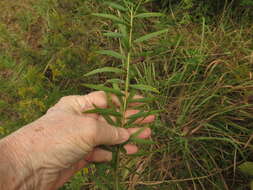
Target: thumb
[[110, 135]]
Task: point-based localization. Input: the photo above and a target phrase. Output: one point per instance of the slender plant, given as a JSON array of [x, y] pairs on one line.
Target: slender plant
[[125, 14]]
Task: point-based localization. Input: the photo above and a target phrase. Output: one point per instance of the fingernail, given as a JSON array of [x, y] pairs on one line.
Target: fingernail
[[124, 135]]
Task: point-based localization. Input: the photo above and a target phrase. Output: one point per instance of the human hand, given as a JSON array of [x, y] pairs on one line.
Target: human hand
[[52, 149]]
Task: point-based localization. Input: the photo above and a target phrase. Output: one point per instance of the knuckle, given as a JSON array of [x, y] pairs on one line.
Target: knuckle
[[65, 98]]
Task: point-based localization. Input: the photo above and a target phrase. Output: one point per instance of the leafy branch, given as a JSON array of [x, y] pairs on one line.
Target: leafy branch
[[127, 12]]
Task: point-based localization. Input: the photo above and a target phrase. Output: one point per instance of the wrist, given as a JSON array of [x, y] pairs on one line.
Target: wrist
[[16, 169]]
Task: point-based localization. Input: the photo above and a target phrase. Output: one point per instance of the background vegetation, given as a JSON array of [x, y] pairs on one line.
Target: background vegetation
[[202, 68]]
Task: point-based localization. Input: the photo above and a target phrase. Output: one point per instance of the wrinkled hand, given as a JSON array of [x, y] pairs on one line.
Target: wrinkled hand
[[52, 149]]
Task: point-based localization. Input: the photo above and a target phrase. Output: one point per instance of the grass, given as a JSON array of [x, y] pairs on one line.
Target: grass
[[203, 69]]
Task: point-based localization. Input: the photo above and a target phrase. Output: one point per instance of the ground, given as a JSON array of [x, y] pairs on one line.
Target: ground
[[202, 67]]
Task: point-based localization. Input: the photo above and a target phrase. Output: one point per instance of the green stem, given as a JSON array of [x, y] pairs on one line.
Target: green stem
[[128, 63], [117, 183]]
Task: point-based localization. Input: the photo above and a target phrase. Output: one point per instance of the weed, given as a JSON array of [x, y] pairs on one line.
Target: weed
[[202, 67]]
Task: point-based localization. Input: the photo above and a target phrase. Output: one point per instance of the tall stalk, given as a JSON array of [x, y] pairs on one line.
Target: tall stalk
[[127, 13], [127, 65]]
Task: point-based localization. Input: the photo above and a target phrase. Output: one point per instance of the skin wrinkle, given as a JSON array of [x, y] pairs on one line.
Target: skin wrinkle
[[46, 153], [20, 160]]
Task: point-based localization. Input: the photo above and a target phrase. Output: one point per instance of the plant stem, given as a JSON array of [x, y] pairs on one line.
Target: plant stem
[[117, 184], [128, 63]]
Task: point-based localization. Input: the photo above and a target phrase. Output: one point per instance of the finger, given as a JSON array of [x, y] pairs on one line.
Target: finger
[[97, 98], [99, 155], [109, 135], [100, 99], [141, 120], [146, 133], [131, 148], [78, 104]]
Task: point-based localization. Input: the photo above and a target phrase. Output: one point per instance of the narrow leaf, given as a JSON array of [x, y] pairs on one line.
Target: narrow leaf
[[113, 34], [246, 168], [118, 81], [125, 38], [116, 6], [137, 133], [140, 115], [105, 112], [147, 15], [104, 88], [111, 53], [104, 70], [149, 36], [109, 120], [109, 16], [141, 141], [143, 114], [144, 87]]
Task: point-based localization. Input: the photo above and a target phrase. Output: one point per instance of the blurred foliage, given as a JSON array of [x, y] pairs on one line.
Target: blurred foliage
[[202, 67], [212, 9]]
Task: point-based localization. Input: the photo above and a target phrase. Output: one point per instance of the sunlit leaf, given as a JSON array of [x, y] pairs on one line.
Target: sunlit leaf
[[144, 87], [111, 53], [246, 168], [116, 6], [105, 70], [147, 15], [104, 88], [118, 81], [149, 36]]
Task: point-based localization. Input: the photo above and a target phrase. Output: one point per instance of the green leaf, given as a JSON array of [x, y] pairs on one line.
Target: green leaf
[[116, 6], [141, 141], [113, 34], [109, 16], [105, 112], [246, 168], [111, 53], [137, 133], [141, 114], [149, 36], [125, 38], [147, 15], [144, 87], [104, 70], [109, 120], [118, 81], [104, 88]]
